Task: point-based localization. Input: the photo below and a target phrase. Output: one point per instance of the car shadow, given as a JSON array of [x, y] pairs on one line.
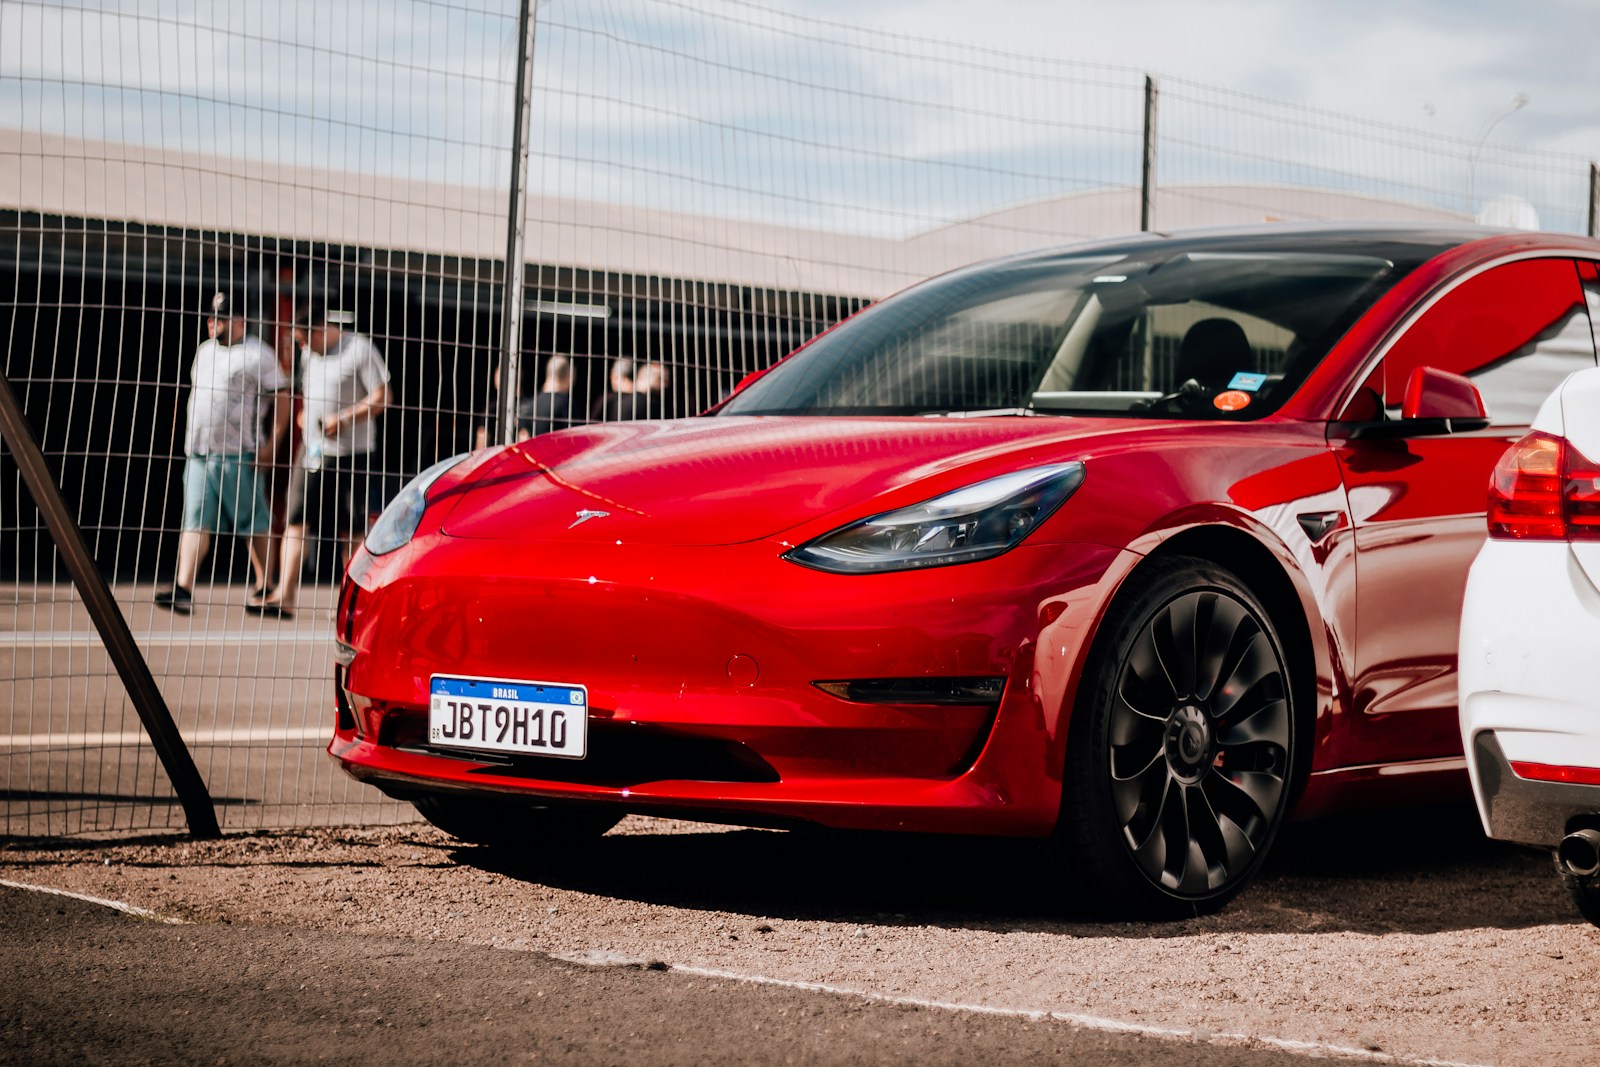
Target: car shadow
[[1416, 871]]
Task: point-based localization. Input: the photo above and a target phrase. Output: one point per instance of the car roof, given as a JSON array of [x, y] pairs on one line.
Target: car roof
[[1402, 243]]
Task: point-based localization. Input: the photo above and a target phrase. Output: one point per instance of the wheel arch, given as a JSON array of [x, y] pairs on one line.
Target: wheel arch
[[1287, 598]]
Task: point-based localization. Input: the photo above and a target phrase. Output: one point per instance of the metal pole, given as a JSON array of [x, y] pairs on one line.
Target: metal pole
[[1147, 175], [1518, 102], [108, 619], [1594, 199], [516, 256]]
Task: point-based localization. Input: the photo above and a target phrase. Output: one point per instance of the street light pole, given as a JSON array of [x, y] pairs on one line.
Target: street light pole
[[1518, 102]]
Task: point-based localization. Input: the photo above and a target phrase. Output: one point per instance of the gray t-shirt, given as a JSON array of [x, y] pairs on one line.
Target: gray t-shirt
[[231, 387], [332, 382]]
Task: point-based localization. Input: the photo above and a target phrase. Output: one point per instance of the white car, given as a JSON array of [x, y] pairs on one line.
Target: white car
[[1530, 635]]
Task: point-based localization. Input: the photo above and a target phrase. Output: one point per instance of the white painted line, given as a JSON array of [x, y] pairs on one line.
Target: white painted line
[[115, 905], [599, 957], [134, 738], [92, 639], [1084, 1022]]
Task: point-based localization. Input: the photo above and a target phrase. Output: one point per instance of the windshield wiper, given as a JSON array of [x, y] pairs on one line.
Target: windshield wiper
[[979, 413]]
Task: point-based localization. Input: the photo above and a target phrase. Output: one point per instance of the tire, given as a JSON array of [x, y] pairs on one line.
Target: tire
[[1181, 752], [508, 824], [1586, 895]]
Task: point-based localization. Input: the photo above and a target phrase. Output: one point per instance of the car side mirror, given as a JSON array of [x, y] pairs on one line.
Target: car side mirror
[[737, 389], [1438, 394], [748, 378], [1436, 403]]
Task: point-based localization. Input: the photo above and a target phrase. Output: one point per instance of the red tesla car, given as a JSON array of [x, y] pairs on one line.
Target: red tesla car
[[1136, 547]]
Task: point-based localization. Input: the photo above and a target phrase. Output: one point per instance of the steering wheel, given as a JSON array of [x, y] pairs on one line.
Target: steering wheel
[[1190, 396]]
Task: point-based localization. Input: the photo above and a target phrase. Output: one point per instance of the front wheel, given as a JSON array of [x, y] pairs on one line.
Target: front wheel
[[508, 824], [1182, 745]]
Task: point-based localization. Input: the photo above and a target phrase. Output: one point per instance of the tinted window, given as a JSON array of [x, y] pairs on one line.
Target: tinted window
[[1516, 331], [1190, 335]]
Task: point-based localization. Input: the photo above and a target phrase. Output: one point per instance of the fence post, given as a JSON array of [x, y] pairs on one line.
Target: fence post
[[1594, 199], [1147, 174], [108, 618], [516, 226]]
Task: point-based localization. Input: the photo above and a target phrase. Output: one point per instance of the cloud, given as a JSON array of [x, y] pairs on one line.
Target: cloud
[[1373, 59], [886, 118]]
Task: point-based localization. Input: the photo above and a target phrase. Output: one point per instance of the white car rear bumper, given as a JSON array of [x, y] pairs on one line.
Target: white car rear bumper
[[1530, 686]]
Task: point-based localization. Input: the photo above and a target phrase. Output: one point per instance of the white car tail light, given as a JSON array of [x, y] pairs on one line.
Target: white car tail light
[[1544, 489]]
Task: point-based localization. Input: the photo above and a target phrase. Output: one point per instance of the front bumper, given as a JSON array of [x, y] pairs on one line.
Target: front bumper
[[1530, 627], [700, 664]]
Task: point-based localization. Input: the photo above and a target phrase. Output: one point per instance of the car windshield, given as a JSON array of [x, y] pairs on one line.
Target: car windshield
[[1221, 335]]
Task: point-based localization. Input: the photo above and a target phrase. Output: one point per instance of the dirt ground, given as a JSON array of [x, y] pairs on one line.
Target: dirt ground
[[1406, 936]]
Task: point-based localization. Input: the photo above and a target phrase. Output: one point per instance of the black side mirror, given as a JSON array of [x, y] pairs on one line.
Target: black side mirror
[[1436, 403], [1400, 429]]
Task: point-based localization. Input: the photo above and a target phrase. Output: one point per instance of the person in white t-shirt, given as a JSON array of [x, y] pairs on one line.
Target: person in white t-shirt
[[345, 387], [235, 381]]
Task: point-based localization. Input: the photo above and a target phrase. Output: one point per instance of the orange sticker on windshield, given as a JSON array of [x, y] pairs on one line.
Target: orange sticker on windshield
[[1232, 400]]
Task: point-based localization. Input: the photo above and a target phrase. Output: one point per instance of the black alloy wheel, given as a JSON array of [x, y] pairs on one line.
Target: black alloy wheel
[[1181, 750]]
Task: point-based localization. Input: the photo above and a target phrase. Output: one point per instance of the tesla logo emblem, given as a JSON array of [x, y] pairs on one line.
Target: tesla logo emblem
[[585, 515]]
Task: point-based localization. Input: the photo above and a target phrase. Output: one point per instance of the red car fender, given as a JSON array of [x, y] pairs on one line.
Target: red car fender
[[1242, 541]]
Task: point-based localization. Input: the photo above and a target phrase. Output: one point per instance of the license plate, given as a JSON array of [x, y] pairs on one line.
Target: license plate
[[498, 715]]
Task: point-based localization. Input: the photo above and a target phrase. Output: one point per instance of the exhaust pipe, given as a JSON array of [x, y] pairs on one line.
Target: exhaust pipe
[[1579, 853]]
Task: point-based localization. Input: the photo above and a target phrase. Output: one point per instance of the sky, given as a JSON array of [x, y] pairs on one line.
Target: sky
[[1446, 66], [1413, 100], [892, 116]]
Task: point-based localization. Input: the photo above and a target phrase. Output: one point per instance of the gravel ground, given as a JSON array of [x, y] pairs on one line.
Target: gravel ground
[[1407, 935], [85, 985]]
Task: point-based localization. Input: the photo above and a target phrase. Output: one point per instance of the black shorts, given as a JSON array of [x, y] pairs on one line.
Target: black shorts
[[335, 500]]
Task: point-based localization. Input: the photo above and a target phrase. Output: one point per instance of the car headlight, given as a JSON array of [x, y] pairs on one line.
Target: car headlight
[[973, 523], [399, 521]]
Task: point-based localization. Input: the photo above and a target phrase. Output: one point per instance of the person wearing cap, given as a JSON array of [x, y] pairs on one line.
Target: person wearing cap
[[235, 379], [345, 387]]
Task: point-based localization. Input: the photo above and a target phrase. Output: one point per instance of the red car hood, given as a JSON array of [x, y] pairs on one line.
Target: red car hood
[[726, 480]]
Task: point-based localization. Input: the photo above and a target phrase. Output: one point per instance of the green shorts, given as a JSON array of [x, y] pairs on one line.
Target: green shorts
[[223, 494]]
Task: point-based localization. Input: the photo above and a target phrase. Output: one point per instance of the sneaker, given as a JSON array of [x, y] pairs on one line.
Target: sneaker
[[177, 599]]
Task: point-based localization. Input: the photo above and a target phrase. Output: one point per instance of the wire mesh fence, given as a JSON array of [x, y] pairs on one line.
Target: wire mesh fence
[[710, 184]]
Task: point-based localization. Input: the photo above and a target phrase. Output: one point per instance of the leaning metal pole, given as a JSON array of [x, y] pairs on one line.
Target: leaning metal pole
[[16, 434], [1594, 199], [516, 236], [1147, 171]]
